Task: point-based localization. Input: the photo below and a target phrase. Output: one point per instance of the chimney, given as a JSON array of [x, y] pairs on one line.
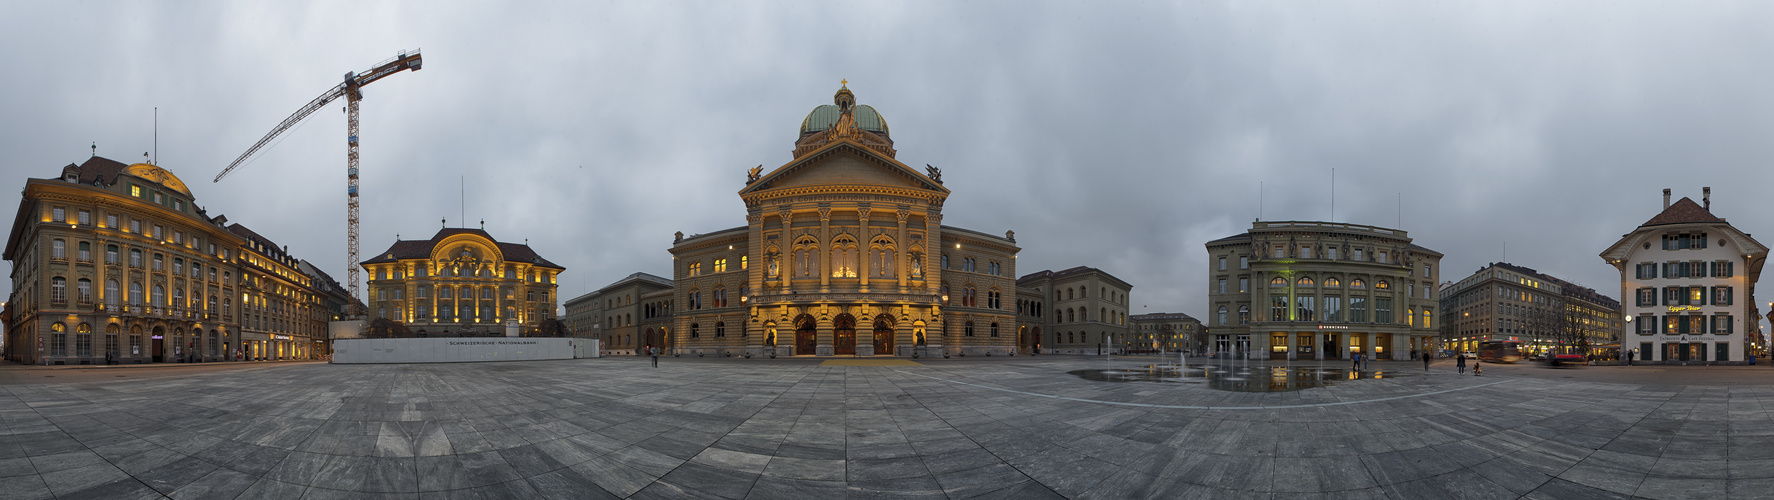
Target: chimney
[[1666, 198], [1706, 198]]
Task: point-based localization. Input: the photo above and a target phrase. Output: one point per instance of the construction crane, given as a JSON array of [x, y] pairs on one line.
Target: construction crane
[[350, 89]]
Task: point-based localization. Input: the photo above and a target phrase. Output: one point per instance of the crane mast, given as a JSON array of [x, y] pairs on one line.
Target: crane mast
[[350, 90]]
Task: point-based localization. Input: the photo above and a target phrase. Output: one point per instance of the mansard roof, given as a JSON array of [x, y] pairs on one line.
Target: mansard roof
[[421, 249]]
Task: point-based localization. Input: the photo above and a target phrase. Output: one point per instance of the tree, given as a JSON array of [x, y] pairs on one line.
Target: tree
[[551, 328], [384, 328]]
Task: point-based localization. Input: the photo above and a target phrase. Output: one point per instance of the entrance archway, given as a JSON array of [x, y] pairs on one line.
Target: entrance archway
[[805, 338], [844, 334], [884, 335], [159, 344]]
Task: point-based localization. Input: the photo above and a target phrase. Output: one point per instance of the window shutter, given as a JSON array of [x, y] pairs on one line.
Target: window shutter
[[1730, 268], [1730, 296]]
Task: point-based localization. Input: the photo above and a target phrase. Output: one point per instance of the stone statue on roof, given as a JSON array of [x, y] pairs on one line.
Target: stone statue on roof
[[935, 173], [756, 172]]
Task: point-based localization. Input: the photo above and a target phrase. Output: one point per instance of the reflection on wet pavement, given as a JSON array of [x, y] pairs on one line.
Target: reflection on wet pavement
[[1234, 378]]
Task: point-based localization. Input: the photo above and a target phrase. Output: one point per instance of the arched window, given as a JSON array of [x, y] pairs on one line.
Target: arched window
[[967, 329], [695, 330], [844, 255], [1357, 284], [720, 329], [943, 293], [1243, 314], [1070, 294], [58, 339], [1306, 281], [1382, 285], [83, 340], [1071, 316], [806, 263], [1222, 315], [1332, 283], [994, 331], [881, 257], [1278, 281]]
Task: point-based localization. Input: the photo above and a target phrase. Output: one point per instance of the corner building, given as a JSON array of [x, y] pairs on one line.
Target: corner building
[[109, 258], [1302, 290], [843, 253], [1688, 278]]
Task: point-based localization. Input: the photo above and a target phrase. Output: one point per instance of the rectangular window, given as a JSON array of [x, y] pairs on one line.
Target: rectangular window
[[60, 215], [1669, 324], [85, 217], [111, 221], [1277, 308], [1244, 262], [1304, 309], [1383, 311], [1222, 288], [1222, 262], [424, 291], [1357, 309], [1305, 252], [1355, 254], [1243, 285], [1722, 296], [1330, 253], [1279, 252], [1333, 309], [1647, 325]]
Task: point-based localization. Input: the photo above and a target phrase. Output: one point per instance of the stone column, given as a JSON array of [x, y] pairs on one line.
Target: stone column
[[785, 274], [825, 244], [1318, 345], [903, 247], [1370, 346]]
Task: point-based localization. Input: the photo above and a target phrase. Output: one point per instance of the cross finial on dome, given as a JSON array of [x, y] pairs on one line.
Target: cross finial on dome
[[843, 83]]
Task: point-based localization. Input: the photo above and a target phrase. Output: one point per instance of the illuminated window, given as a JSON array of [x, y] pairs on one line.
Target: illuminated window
[[1278, 281], [695, 268], [1306, 282], [1382, 285], [720, 265], [743, 263], [1332, 283]]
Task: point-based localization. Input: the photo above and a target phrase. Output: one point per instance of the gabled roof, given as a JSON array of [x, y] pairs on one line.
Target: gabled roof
[[1682, 212], [769, 180], [421, 249]]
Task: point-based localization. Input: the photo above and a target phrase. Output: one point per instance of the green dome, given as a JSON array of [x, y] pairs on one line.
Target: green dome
[[825, 116]]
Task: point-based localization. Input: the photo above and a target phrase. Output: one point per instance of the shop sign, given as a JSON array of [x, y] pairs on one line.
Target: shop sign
[[280, 337], [1333, 327], [156, 337], [1683, 308]]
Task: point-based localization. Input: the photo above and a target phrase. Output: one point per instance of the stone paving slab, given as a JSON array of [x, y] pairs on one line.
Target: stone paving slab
[[797, 428]]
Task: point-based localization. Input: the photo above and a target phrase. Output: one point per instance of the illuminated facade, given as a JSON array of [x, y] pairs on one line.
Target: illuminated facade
[[844, 253], [1688, 281], [462, 282], [1506, 302], [1305, 290], [115, 259]]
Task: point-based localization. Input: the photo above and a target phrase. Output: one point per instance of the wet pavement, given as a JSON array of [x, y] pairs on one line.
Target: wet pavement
[[1236, 378], [1021, 427]]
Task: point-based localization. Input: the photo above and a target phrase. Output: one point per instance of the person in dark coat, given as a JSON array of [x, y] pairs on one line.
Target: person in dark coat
[[1426, 358], [1460, 361]]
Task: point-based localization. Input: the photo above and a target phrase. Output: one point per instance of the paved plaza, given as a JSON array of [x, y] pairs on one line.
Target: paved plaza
[[1022, 428]]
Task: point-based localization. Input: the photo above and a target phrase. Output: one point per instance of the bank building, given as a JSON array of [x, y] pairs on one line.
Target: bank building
[[843, 252]]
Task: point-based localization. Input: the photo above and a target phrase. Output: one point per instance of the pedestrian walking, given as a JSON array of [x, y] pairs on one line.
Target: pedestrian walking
[[1355, 362], [1460, 361], [655, 352], [1364, 360], [1426, 358], [1631, 354]]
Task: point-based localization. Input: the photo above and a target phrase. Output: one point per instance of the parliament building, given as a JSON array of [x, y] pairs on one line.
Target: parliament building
[[843, 253]]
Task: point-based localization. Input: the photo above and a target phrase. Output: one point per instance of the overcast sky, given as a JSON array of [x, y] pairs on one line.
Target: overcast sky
[[1117, 135]]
